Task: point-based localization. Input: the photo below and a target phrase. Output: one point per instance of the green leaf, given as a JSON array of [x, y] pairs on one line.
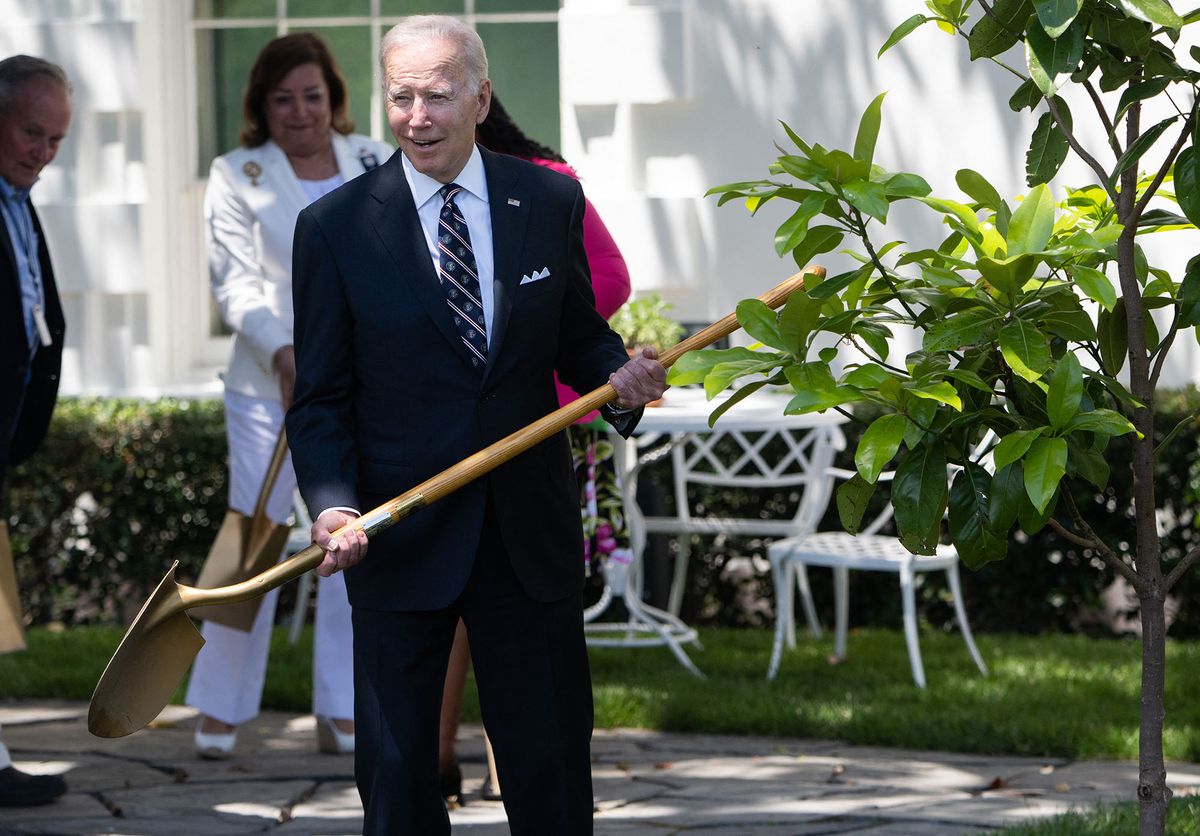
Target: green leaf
[[1113, 335], [1187, 183], [868, 130], [976, 187], [919, 497], [906, 185], [1189, 295], [1089, 464], [797, 320], [1045, 466], [1051, 60], [693, 366], [853, 498], [994, 33], [1008, 489], [941, 392], [1025, 350], [1048, 148], [1056, 15], [1013, 446], [1065, 392], [1095, 285], [724, 374], [1008, 275], [1139, 147], [1137, 92], [1152, 11], [820, 239], [970, 327], [1032, 224], [970, 524], [792, 231], [760, 322], [868, 376], [1027, 96], [737, 397], [1032, 520], [1104, 421], [879, 445], [901, 32], [815, 389], [868, 198]]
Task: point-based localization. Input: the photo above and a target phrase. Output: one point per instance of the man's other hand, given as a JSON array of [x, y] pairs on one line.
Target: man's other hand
[[343, 551], [641, 380]]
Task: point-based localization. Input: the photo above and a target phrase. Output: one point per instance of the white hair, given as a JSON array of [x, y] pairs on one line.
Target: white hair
[[422, 29]]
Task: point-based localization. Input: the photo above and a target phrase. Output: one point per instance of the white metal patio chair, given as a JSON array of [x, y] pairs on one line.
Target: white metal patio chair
[[867, 551], [735, 459]]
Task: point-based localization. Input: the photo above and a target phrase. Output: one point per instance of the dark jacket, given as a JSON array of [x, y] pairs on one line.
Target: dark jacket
[[386, 396], [23, 421]]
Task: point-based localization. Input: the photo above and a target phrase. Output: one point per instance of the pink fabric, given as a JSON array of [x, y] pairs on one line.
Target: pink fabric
[[610, 276]]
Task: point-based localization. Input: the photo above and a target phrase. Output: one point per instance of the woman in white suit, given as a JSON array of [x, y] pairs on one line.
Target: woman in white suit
[[296, 147]]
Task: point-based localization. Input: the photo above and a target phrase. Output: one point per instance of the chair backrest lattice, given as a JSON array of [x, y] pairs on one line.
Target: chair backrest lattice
[[794, 461]]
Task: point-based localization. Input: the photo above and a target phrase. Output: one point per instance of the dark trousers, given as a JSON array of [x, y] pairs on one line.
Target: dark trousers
[[534, 685]]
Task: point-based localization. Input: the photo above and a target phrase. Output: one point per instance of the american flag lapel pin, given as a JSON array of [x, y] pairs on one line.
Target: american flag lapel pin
[[512, 201]]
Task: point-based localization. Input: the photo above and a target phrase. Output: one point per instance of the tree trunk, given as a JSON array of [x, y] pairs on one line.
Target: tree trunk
[[1152, 792]]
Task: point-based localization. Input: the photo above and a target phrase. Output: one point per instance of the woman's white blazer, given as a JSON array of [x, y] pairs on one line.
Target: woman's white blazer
[[250, 209]]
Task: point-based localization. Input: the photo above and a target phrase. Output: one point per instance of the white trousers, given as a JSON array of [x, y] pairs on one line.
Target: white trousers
[[227, 678]]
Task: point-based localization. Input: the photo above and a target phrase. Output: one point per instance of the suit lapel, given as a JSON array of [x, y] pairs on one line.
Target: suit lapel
[[509, 205], [394, 219]]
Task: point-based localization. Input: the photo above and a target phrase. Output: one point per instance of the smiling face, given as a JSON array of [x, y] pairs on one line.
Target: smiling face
[[299, 117], [31, 129], [433, 108]]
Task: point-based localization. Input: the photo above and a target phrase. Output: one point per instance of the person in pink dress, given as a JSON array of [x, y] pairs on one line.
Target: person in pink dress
[[600, 498]]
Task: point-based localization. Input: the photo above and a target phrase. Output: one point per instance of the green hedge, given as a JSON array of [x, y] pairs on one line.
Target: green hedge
[[119, 490], [124, 487]]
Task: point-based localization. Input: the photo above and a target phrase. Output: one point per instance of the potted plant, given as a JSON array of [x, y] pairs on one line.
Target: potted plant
[[643, 323]]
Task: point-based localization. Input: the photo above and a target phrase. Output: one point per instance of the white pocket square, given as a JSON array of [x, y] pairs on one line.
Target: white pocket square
[[537, 276]]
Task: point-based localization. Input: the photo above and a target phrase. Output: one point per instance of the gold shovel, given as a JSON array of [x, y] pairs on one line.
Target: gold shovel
[[245, 546], [162, 641]]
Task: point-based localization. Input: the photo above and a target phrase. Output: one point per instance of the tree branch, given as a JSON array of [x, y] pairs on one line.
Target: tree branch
[[1162, 171], [1182, 566], [1109, 128], [1079, 150], [1093, 541]]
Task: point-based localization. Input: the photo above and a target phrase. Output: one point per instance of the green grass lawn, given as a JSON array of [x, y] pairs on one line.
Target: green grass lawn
[[1183, 819], [1053, 695]]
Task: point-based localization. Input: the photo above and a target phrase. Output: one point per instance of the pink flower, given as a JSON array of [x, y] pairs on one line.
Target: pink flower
[[606, 545], [604, 530]]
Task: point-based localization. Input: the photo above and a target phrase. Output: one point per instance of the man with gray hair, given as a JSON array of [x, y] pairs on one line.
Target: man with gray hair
[[435, 297], [35, 110]]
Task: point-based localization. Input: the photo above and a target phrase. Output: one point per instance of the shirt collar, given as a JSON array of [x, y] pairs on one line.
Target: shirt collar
[[472, 178], [12, 194]]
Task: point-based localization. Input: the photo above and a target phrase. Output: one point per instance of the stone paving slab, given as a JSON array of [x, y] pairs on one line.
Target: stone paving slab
[[151, 783]]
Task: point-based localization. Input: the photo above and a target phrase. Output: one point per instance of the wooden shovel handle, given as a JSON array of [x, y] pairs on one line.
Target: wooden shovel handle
[[476, 465], [268, 485]]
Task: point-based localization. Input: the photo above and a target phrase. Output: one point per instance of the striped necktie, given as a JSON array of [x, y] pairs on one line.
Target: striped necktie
[[460, 277]]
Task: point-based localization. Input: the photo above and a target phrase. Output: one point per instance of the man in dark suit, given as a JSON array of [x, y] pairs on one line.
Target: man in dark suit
[[434, 298], [35, 110]]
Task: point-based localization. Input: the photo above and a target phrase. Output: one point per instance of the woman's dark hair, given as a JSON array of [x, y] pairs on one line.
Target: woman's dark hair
[[498, 132], [277, 59]]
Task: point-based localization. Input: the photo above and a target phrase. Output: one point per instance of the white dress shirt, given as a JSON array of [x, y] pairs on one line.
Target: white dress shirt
[[472, 202]]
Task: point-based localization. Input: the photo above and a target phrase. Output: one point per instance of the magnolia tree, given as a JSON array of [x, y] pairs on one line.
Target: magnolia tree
[[1035, 314]]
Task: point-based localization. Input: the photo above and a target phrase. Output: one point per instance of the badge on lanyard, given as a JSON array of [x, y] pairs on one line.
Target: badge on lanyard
[[39, 319], [368, 160]]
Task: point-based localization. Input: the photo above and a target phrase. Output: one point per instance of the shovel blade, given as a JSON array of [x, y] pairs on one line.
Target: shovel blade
[[149, 664]]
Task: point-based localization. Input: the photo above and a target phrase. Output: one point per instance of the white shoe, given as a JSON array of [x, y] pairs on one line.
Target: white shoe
[[331, 740], [215, 747]]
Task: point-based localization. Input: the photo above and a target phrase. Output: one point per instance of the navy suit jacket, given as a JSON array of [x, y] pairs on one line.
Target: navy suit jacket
[[23, 421], [386, 396]]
